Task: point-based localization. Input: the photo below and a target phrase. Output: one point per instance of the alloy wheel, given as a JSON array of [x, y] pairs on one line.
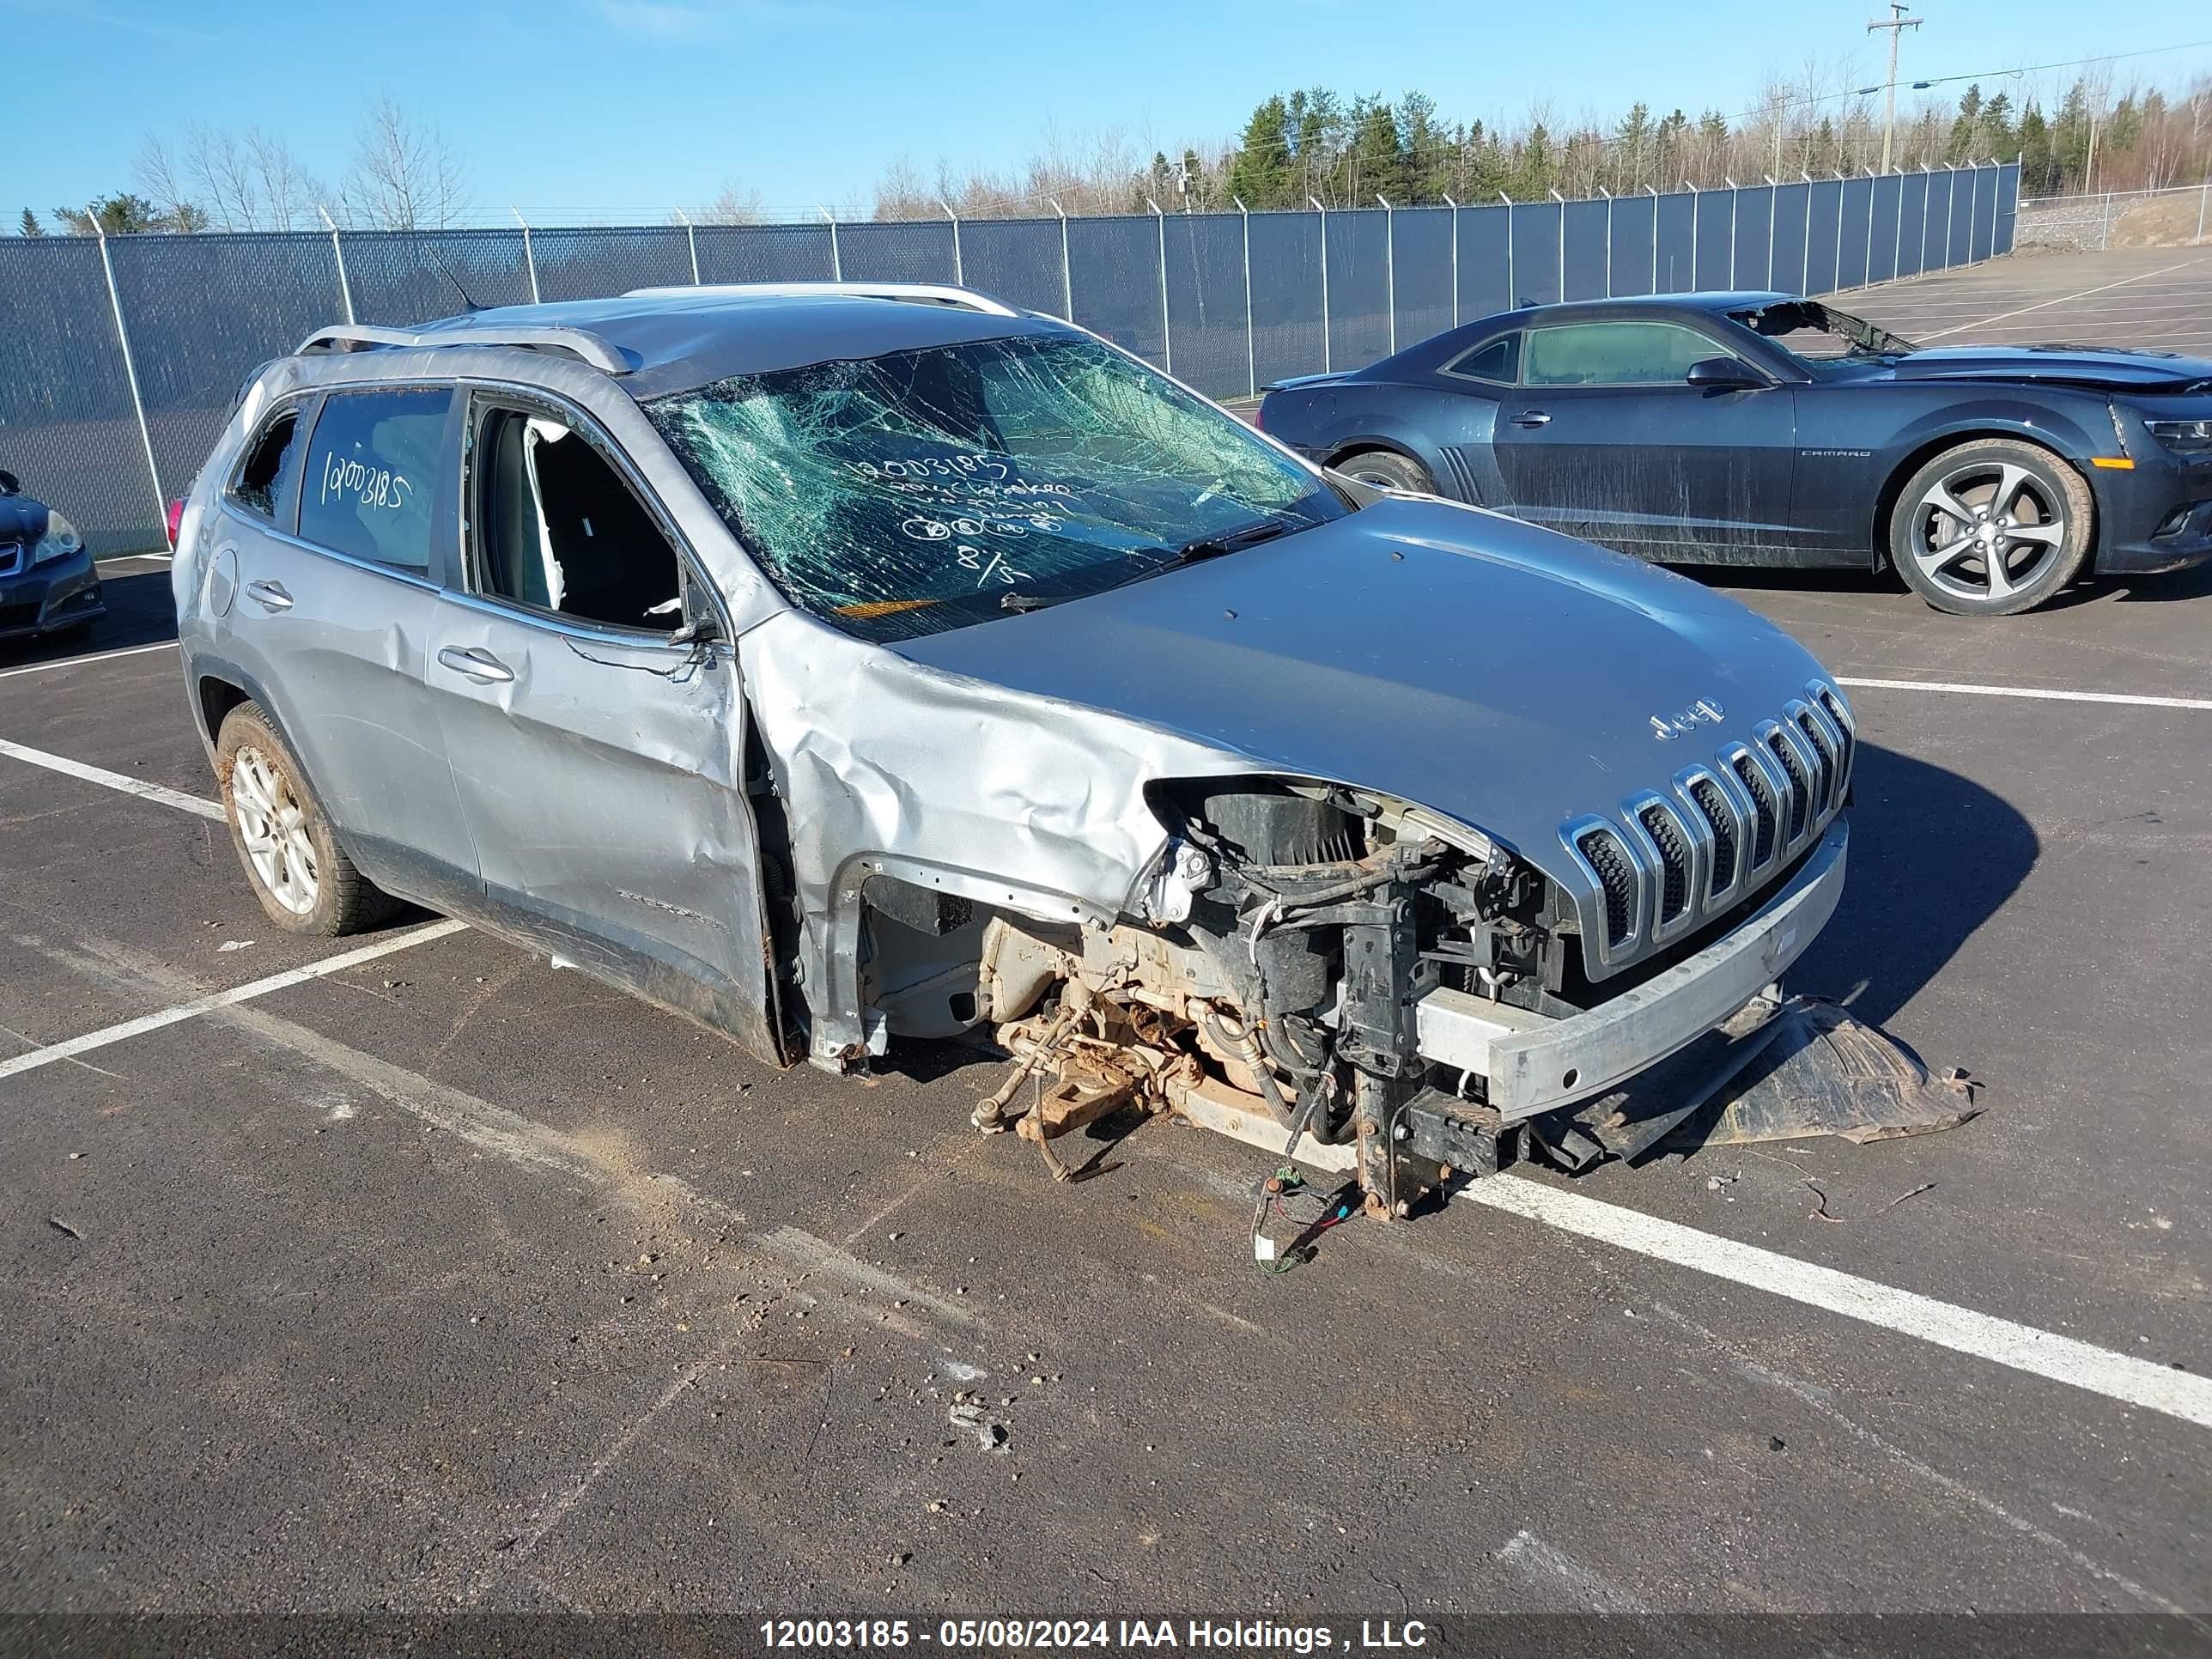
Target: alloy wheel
[[1986, 529], [274, 826]]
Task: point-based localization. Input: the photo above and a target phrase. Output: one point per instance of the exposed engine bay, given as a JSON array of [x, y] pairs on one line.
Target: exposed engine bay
[[1290, 932]]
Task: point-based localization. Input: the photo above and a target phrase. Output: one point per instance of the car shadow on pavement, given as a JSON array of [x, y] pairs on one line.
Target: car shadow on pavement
[[1934, 856]]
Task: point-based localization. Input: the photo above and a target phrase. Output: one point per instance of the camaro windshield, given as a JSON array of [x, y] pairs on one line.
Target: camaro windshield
[[1820, 337], [923, 490]]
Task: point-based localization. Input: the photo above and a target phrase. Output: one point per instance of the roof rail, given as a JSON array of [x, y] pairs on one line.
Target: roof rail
[[931, 293], [577, 343]]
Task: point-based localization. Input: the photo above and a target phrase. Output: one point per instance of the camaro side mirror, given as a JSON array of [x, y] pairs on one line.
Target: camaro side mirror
[[9, 484], [1723, 375]]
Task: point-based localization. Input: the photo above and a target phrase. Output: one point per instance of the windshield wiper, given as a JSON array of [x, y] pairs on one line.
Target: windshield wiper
[[1191, 552], [1232, 541]]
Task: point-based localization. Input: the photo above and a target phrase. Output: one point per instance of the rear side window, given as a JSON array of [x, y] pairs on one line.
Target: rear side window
[[271, 467], [1497, 361], [372, 472], [1615, 353]]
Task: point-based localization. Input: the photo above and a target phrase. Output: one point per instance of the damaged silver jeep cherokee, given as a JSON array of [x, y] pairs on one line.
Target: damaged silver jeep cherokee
[[835, 663]]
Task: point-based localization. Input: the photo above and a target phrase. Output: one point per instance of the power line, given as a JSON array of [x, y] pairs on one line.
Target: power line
[[1281, 146], [1975, 75]]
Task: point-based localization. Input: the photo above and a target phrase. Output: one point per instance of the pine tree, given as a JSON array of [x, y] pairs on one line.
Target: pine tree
[[1961, 143], [1997, 136], [31, 225], [2069, 138], [1261, 175], [1633, 143], [1427, 147], [1532, 176], [1670, 141], [1712, 147], [1376, 165], [2038, 174]]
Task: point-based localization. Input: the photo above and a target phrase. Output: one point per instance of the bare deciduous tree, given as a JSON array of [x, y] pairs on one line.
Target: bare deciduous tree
[[159, 179], [406, 176], [229, 181], [737, 204]]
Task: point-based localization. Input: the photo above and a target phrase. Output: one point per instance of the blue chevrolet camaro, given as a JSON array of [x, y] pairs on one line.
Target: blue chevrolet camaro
[[1766, 429]]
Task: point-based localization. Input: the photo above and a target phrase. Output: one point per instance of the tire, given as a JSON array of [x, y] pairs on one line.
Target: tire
[[2015, 512], [292, 860], [1385, 469]]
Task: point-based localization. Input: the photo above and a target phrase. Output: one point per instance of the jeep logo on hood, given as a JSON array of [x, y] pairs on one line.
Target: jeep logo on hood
[[1700, 713]]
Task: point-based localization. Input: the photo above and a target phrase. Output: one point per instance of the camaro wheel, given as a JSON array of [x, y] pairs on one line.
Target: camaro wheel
[[304, 881], [1990, 528], [1384, 469]]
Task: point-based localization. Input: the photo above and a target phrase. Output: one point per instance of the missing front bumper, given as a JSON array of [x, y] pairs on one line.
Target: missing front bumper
[[1531, 1064]]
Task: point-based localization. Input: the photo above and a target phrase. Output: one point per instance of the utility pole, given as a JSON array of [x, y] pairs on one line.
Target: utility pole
[[1898, 23]]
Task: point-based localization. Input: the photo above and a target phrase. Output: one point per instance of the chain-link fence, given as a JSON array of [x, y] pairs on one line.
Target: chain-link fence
[[119, 359], [2177, 217]]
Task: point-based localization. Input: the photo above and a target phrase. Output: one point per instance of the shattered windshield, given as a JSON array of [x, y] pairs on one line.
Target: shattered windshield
[[1821, 337], [923, 490]]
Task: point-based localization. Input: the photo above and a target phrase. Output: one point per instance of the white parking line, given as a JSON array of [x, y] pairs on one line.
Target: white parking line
[[2022, 1347], [128, 785], [78, 662], [2035, 692], [71, 1050], [2062, 299]]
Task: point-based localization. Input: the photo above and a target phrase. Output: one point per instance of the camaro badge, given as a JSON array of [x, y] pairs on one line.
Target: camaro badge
[[1700, 713]]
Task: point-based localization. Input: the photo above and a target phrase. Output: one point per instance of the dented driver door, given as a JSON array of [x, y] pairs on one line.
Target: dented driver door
[[581, 669], [601, 776]]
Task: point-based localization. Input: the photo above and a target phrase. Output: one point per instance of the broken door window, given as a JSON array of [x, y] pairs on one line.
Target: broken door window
[[1817, 335], [557, 528], [917, 491]]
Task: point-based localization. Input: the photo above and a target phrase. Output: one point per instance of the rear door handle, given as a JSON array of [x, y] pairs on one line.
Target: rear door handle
[[1530, 417], [270, 596], [479, 665]]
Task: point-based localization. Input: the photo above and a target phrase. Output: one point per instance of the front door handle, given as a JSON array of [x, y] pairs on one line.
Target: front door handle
[[479, 665], [1530, 417], [270, 596]]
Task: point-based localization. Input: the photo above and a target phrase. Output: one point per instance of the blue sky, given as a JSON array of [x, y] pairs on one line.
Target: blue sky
[[638, 103]]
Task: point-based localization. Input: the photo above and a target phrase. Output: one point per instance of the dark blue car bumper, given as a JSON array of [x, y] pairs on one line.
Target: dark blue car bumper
[[43, 598], [2154, 517]]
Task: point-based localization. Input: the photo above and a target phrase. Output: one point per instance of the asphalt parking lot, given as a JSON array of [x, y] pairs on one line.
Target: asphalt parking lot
[[447, 1279]]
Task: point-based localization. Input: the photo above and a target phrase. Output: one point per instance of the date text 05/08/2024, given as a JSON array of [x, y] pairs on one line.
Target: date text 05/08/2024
[[1048, 1635]]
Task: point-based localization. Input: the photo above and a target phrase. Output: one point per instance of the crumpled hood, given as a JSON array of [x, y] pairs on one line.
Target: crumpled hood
[[2106, 367], [22, 519], [1502, 674]]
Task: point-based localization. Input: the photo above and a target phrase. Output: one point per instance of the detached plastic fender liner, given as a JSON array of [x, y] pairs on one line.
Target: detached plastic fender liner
[[1533, 1065]]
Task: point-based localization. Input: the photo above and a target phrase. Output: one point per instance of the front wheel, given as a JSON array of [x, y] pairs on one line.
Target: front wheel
[[1991, 528], [1385, 469]]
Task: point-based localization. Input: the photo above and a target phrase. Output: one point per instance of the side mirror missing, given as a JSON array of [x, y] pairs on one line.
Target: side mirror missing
[[1723, 375], [9, 484], [700, 630]]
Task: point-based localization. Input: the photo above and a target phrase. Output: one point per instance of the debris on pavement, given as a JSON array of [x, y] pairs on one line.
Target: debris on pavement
[[990, 1433], [1825, 1072]]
